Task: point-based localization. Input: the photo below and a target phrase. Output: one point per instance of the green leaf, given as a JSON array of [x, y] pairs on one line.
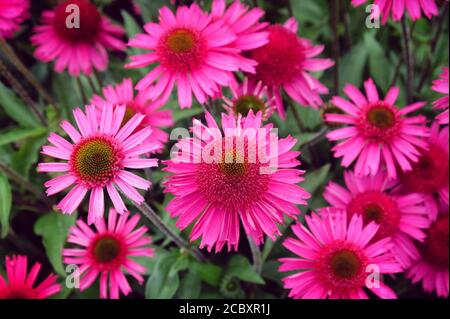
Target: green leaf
[[17, 134], [352, 66], [53, 228], [190, 287], [16, 108], [314, 179], [5, 204], [240, 267], [27, 155], [165, 280], [378, 63], [209, 273]]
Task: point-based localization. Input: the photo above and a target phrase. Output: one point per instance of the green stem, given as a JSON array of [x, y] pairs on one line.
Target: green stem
[[256, 255], [156, 220], [19, 89], [81, 89], [27, 74]]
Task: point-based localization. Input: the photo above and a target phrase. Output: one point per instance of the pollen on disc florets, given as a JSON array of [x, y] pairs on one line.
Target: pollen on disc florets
[[379, 122], [182, 50], [89, 21], [96, 160], [244, 104], [233, 182], [377, 207]]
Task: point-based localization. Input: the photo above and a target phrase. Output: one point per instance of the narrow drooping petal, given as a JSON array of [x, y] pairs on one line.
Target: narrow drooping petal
[[240, 173], [12, 14], [284, 64], [376, 134], [155, 118], [432, 268], [430, 175], [402, 217], [398, 8], [103, 150], [442, 86], [336, 257], [193, 51], [107, 253], [77, 48], [21, 284], [249, 96]]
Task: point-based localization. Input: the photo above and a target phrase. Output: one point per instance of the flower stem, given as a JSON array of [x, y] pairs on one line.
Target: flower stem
[[256, 255], [21, 181], [18, 88], [81, 89], [15, 60], [409, 59], [156, 220]]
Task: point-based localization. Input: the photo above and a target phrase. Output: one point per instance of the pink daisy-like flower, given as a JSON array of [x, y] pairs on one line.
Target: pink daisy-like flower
[[97, 159], [337, 259], [442, 86], [81, 49], [429, 176], [378, 133], [249, 96], [107, 253], [12, 14], [433, 267], [123, 94], [397, 8], [240, 181], [22, 285], [401, 217], [244, 23], [285, 63], [192, 51]]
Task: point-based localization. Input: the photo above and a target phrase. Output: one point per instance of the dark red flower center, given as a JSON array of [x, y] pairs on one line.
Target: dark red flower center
[[436, 244], [381, 117], [281, 60], [245, 103], [379, 122], [69, 13], [430, 174], [342, 267], [106, 249], [96, 161], [234, 182], [379, 208], [345, 264], [182, 50]]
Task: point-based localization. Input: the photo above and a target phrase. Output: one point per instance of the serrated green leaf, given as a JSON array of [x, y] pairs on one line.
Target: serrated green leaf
[[53, 228], [5, 204]]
